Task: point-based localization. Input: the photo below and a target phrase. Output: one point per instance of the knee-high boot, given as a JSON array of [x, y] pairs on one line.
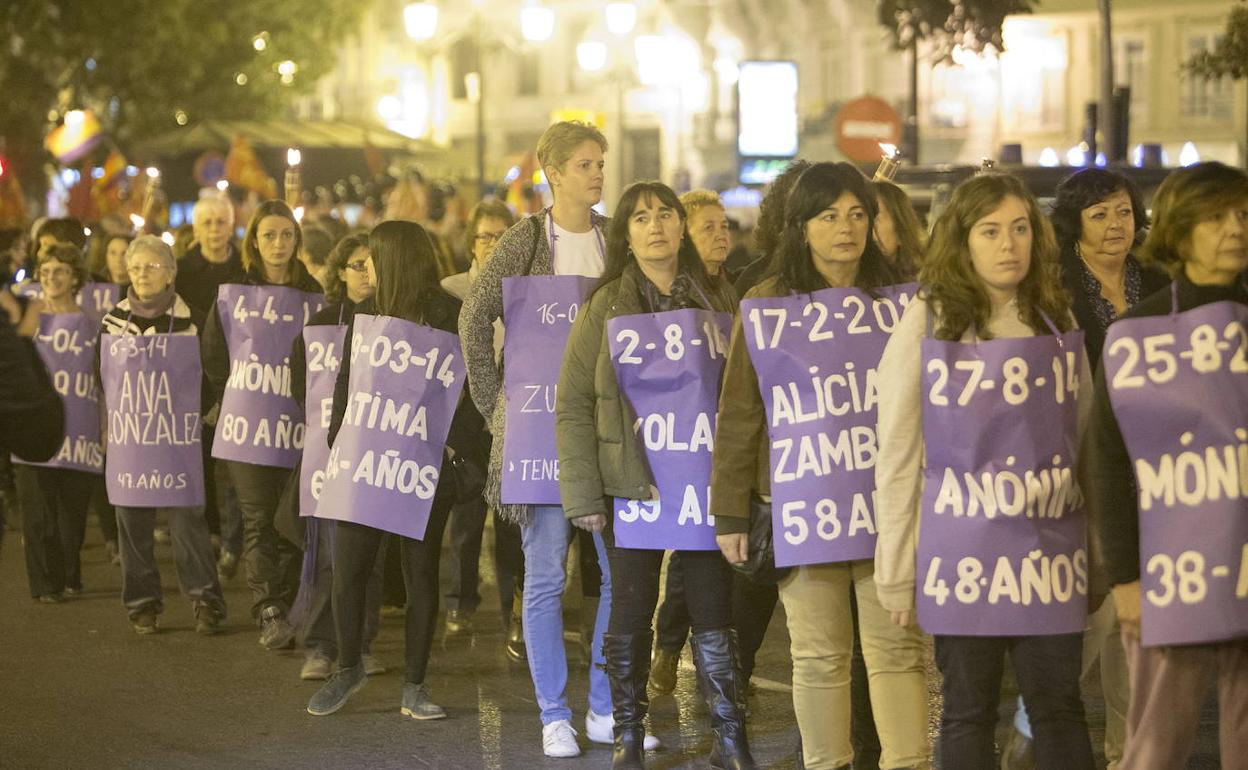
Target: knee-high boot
[[628, 668], [715, 653]]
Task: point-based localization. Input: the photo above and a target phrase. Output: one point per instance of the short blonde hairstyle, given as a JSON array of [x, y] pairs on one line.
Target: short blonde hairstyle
[[696, 200], [558, 142]]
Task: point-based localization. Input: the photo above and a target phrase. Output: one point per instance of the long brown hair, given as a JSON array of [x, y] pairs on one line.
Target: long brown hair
[[957, 291], [406, 269], [910, 236], [251, 249]]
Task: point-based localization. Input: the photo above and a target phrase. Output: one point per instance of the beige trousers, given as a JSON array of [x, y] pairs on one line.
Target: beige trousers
[[816, 602], [1102, 642]]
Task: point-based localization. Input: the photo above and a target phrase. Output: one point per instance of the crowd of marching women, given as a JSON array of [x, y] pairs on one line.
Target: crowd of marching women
[[1022, 436]]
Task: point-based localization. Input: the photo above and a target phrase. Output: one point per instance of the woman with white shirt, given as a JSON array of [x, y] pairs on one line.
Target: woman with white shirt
[[565, 239]]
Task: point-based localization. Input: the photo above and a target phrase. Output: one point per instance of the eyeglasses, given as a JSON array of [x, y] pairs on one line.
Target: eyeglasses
[[489, 239], [149, 267], [54, 272], [359, 266]]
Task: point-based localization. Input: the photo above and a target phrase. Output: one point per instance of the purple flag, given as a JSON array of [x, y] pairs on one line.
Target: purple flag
[[668, 366], [66, 343], [1002, 531], [324, 353], [95, 298], [260, 422], [151, 389], [1178, 385], [405, 384], [815, 356], [538, 311]]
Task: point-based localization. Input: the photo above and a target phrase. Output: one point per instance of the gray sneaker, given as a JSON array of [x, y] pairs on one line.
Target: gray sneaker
[[418, 705], [372, 665], [276, 633], [335, 693], [316, 667]]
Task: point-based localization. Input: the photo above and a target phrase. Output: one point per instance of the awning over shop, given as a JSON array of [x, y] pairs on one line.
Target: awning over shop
[[218, 134]]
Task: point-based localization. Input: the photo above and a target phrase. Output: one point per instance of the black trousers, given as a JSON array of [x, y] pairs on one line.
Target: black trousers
[[54, 523], [1047, 669], [467, 531], [752, 607], [271, 561], [635, 589], [104, 510], [355, 554]]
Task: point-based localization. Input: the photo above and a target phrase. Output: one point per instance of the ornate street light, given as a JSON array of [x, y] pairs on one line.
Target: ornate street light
[[537, 23], [421, 20], [621, 18], [591, 55]]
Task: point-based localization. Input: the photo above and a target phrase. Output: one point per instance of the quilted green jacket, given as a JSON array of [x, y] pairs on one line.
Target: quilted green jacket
[[598, 452]]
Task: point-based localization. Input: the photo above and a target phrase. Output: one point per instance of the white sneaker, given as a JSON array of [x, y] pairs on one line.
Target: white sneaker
[[559, 740], [601, 729]]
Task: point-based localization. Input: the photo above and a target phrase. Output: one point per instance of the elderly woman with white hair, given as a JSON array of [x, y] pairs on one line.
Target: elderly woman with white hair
[[151, 307], [212, 260]]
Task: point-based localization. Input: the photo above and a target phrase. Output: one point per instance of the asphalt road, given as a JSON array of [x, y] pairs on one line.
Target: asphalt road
[[79, 689]]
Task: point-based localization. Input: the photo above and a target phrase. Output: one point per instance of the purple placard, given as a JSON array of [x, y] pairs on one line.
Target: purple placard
[[151, 391], [538, 311], [669, 366], [66, 343], [1178, 385], [260, 422], [1002, 532], [405, 384], [324, 352], [815, 356], [95, 298]]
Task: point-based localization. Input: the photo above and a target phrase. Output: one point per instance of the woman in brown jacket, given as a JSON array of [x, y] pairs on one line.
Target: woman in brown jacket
[[826, 243]]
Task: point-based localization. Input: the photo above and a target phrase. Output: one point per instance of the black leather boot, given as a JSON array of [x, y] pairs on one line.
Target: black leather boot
[[715, 653], [628, 668]]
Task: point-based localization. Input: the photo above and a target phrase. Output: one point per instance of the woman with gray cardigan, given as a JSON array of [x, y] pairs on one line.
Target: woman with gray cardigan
[[563, 240]]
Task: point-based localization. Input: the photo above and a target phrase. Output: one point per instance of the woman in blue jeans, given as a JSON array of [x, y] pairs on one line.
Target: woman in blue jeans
[[564, 239]]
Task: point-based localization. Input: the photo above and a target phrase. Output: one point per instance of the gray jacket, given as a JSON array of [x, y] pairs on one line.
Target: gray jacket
[[523, 250]]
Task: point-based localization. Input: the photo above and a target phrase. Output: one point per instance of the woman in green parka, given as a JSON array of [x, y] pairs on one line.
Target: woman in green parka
[[651, 267]]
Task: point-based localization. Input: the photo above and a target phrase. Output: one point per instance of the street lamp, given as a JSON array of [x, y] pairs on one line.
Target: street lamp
[[537, 22], [621, 18], [421, 20], [591, 55]]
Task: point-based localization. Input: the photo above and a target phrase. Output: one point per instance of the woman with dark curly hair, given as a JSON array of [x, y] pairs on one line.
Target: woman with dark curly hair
[[958, 407], [1099, 219], [770, 225]]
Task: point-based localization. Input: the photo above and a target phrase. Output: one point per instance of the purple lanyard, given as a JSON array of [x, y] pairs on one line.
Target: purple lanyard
[[550, 233]]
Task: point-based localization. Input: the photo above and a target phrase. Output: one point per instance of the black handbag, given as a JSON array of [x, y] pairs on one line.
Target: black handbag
[[469, 479], [760, 565]]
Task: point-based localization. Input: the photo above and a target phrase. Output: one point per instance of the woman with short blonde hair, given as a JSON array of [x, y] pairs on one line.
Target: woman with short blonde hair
[[565, 239]]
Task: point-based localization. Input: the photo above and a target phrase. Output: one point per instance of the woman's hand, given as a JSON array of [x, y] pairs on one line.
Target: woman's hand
[[1127, 605], [902, 618], [735, 547], [595, 522]]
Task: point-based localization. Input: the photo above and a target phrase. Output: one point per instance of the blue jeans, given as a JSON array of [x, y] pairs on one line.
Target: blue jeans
[[545, 542]]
